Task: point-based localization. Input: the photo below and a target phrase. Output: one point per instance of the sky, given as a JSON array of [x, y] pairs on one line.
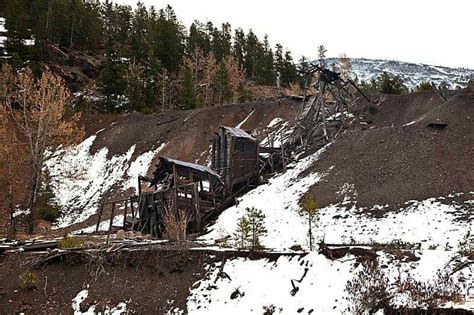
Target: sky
[[422, 31]]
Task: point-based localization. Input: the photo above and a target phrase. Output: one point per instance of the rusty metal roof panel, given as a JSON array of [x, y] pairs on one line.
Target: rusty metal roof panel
[[197, 167], [239, 133]]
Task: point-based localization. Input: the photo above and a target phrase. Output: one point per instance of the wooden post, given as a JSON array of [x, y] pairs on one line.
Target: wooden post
[[175, 195], [211, 189], [133, 213], [283, 157], [125, 215], [197, 206], [99, 218], [322, 87], [112, 215]]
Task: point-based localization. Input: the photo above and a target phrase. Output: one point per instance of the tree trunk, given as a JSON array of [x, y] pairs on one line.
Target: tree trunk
[[11, 204], [32, 199]]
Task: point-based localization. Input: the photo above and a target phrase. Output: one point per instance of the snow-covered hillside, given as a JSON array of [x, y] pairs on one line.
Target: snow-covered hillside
[[420, 240], [412, 73]]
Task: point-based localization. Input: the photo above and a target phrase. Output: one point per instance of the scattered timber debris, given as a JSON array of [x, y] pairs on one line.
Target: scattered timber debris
[[324, 114]]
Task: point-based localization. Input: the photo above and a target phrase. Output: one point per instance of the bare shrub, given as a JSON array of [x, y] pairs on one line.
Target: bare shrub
[[175, 223], [96, 262], [368, 290], [432, 293]]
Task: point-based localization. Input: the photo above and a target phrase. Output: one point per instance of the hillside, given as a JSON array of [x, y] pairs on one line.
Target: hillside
[[397, 191]]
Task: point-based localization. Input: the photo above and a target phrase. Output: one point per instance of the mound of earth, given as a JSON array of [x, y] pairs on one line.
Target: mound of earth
[[417, 146]]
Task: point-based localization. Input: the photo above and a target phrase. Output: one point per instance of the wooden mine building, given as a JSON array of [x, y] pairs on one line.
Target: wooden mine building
[[202, 192]]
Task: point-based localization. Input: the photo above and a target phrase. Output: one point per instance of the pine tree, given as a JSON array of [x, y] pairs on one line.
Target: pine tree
[[139, 37], [256, 221], [17, 28], [198, 38], [290, 74], [111, 83], [242, 233], [186, 96], [303, 68], [136, 85], [322, 56], [251, 55], [238, 48], [222, 86], [168, 39]]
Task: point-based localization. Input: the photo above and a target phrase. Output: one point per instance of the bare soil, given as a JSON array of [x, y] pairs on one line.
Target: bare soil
[[149, 281], [390, 162]]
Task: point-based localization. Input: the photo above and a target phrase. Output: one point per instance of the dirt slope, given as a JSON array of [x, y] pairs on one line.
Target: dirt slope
[[399, 157]]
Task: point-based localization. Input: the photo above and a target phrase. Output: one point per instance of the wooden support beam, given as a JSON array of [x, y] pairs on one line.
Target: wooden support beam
[[125, 215], [175, 190], [99, 217], [197, 208], [112, 215], [133, 212]]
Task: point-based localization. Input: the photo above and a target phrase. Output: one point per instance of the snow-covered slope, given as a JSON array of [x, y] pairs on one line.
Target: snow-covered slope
[[412, 73], [314, 284]]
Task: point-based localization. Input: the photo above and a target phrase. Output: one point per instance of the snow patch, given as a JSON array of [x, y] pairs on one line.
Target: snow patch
[[244, 286], [119, 309], [243, 121], [278, 200], [79, 179], [140, 167]]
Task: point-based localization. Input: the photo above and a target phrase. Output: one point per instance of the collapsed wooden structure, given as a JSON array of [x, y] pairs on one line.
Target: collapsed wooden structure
[[324, 113], [200, 191]]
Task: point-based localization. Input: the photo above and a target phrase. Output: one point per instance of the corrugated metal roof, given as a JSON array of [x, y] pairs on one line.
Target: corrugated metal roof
[[197, 167], [239, 133]]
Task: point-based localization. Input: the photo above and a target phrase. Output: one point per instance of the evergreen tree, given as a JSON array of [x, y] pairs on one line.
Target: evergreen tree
[[289, 74], [221, 41], [250, 229], [251, 55], [111, 83], [222, 86], [168, 39], [303, 68], [186, 97], [242, 233], [388, 83], [17, 28], [139, 37], [279, 62], [322, 55], [198, 38], [424, 86], [256, 221], [238, 48]]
